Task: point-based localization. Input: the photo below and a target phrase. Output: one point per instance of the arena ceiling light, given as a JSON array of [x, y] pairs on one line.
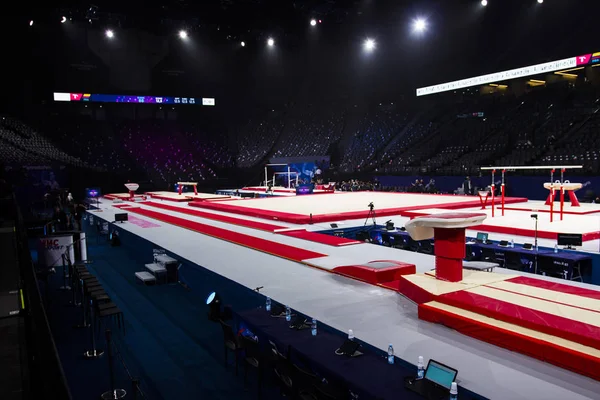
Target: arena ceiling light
[[484, 3], [419, 25], [271, 42], [63, 19], [183, 34], [540, 1], [369, 45], [243, 44], [109, 34], [31, 23], [313, 22]]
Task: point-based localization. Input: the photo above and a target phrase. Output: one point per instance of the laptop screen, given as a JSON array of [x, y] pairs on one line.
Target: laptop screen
[[482, 237], [440, 374]]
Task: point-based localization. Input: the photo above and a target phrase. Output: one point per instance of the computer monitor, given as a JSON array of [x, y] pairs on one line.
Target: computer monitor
[[440, 374], [569, 239], [482, 237], [121, 217]]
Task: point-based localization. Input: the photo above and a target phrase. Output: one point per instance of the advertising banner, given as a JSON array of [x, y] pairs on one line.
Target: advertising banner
[[51, 248]]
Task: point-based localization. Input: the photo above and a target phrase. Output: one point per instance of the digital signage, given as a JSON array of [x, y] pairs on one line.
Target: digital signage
[[122, 98]]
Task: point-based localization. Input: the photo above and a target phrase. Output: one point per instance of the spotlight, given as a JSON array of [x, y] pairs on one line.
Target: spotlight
[[313, 22], [183, 34], [271, 42], [484, 3], [63, 20], [540, 1], [420, 25], [109, 34], [213, 301], [243, 44], [369, 45], [31, 23]]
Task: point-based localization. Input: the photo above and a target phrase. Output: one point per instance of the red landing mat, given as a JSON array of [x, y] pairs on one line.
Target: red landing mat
[[528, 315], [245, 208], [507, 229], [383, 272], [571, 356], [319, 237], [266, 246], [557, 287], [181, 199], [217, 217]]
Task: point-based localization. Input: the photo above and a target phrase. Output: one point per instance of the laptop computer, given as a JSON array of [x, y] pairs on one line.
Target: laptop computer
[[436, 383], [481, 237]]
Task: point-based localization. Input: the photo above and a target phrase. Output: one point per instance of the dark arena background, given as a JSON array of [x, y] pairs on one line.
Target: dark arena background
[[311, 199]]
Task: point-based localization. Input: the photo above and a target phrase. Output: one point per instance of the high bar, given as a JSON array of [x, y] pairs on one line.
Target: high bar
[[534, 167]]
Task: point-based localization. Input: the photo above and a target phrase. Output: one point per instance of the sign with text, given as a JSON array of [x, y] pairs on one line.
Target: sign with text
[[51, 248]]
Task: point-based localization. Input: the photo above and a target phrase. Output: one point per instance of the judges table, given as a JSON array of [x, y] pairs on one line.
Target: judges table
[[368, 376], [563, 264]]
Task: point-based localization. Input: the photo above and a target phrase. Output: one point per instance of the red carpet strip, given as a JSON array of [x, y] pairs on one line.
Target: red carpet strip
[[265, 246], [217, 217]]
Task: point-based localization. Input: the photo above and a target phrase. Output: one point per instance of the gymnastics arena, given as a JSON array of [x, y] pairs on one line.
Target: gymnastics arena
[[308, 200]]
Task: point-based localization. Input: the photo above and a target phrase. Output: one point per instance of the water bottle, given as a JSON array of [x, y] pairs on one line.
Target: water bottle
[[313, 327], [420, 368], [268, 304], [390, 354], [288, 314], [556, 248], [512, 243], [454, 391], [350, 334]]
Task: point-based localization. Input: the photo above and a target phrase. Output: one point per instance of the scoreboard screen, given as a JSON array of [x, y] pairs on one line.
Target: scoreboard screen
[[122, 98]]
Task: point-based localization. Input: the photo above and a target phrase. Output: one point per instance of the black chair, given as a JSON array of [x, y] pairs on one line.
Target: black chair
[[253, 358], [488, 255], [282, 369], [512, 260], [303, 383], [230, 343]]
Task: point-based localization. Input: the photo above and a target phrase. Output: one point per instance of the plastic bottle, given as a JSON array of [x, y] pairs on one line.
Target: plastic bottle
[[454, 391], [350, 334], [512, 243], [420, 368], [268, 304], [390, 354], [288, 314], [313, 327], [556, 248]]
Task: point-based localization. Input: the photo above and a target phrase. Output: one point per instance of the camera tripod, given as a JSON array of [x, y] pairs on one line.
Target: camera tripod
[[371, 215]]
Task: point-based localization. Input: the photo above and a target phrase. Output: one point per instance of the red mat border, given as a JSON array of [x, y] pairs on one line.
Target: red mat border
[[319, 237], [509, 230], [320, 218], [217, 217], [572, 360], [548, 211]]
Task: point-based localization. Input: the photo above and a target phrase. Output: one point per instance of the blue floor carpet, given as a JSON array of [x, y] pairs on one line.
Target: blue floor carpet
[[169, 343]]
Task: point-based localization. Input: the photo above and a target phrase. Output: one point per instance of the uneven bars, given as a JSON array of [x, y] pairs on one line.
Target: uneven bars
[[534, 167]]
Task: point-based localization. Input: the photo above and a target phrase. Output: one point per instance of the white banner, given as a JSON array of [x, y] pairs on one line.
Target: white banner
[[500, 76], [51, 248]]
